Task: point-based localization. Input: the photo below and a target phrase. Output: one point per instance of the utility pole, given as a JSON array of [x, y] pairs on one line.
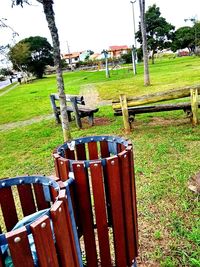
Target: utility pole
[[134, 48]]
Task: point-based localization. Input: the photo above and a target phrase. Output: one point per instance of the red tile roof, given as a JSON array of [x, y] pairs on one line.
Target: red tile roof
[[118, 47]]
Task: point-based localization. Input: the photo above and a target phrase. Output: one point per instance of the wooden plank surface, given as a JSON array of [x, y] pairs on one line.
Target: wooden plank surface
[[114, 182], [56, 157], [8, 208], [63, 165], [40, 199], [44, 242], [69, 228], [134, 198], [26, 199], [62, 235], [80, 152], [100, 212], [85, 211], [104, 149], [93, 150], [131, 242], [19, 248]]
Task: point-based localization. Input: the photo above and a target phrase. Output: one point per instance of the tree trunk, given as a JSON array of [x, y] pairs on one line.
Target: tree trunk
[[144, 43], [49, 13]]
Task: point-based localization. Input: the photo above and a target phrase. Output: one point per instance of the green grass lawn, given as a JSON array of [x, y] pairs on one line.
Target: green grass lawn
[[166, 150]]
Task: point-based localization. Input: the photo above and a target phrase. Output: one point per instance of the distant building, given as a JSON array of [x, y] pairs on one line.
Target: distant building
[[72, 58], [117, 51]]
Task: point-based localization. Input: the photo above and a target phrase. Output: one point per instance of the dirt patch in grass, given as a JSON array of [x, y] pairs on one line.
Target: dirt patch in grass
[[162, 121], [97, 122]]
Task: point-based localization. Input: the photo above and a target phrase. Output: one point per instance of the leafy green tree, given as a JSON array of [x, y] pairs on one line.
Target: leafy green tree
[[19, 55], [184, 37], [158, 31], [32, 54], [50, 18]]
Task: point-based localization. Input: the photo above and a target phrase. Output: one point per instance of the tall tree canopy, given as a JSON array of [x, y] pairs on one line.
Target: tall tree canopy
[[50, 18], [158, 30], [186, 37], [32, 54], [183, 38]]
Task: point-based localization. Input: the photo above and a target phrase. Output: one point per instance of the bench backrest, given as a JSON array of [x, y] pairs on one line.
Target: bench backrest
[[69, 98]]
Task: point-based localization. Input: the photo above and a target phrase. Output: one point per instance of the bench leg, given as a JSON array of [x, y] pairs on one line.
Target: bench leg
[[57, 117], [91, 119]]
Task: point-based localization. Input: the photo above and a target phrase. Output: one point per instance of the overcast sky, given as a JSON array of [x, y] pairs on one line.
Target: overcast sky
[[90, 24]]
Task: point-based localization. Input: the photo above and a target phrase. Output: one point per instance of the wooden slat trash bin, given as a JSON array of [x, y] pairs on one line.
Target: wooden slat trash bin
[[103, 198], [37, 223]]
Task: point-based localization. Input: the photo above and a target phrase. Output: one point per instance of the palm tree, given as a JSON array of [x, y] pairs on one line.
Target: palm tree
[[144, 43], [49, 13]]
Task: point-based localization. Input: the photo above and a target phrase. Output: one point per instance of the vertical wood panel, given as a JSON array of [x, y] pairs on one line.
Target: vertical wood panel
[[19, 248], [69, 154], [63, 165], [56, 157], [44, 243], [100, 211], [85, 211], [117, 211], [104, 149], [26, 199], [93, 150], [8, 208], [40, 199], [62, 197], [62, 235], [80, 152], [132, 172], [124, 161]]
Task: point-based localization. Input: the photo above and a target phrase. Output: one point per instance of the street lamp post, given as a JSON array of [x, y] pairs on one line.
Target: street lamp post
[[105, 52], [134, 48]]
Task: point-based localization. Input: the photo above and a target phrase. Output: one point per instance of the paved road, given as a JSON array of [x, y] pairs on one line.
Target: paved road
[[6, 83]]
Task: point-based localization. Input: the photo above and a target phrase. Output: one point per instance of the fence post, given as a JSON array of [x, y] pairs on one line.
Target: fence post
[[123, 101], [194, 106]]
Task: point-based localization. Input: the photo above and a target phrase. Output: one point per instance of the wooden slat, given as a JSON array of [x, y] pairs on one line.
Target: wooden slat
[[19, 248], [64, 200], [130, 151], [8, 208], [26, 199], [104, 149], [93, 150], [100, 211], [117, 211], [69, 154], [62, 235], [85, 211], [56, 157], [80, 152], [126, 182], [40, 199], [63, 165], [44, 242]]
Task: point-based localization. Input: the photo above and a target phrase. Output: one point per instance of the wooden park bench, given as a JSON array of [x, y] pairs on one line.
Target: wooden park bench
[[129, 107], [75, 105]]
